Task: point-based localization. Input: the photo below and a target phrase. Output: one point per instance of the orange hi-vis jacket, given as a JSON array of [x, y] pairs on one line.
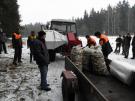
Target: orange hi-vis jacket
[[17, 36], [103, 39], [91, 41]]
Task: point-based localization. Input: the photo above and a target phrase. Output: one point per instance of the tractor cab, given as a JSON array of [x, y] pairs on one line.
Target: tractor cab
[[69, 29], [63, 26], [61, 36]]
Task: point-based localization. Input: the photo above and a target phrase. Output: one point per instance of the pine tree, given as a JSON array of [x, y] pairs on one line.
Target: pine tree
[[10, 18]]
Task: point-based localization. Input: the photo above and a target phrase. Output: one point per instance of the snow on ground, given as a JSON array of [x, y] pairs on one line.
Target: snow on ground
[[21, 83], [120, 57]]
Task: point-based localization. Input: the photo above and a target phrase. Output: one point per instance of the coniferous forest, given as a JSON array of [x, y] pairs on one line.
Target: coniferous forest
[[115, 20]]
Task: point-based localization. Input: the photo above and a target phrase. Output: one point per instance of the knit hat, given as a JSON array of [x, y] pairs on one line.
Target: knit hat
[[41, 33], [97, 33], [87, 36]]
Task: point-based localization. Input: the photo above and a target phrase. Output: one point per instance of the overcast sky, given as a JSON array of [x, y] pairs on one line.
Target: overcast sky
[[32, 11]]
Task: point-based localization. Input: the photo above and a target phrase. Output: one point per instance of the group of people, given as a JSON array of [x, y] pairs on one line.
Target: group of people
[[103, 41], [38, 50], [125, 42], [105, 45]]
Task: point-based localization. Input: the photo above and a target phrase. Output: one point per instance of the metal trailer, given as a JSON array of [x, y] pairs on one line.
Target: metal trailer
[[100, 88]]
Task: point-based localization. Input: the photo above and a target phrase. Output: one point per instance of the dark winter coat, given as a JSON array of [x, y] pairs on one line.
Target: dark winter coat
[[30, 40], [3, 37], [119, 40], [40, 52], [0, 37], [106, 49], [123, 41], [133, 42], [106, 46], [17, 43], [127, 41]]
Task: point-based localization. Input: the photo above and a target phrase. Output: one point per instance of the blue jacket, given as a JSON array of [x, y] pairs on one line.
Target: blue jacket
[[40, 52]]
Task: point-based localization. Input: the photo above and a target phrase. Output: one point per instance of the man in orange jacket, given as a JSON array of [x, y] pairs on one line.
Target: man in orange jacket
[[90, 41], [105, 44], [106, 47], [17, 45]]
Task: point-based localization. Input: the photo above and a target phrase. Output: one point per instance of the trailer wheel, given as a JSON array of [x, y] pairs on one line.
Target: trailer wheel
[[52, 55]]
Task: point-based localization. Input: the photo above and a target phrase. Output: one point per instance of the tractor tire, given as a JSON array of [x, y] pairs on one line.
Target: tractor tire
[[52, 55]]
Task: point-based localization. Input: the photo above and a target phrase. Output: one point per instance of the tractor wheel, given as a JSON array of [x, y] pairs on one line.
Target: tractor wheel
[[52, 55]]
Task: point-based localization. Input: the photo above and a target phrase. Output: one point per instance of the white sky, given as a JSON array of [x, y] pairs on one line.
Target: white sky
[[32, 11]]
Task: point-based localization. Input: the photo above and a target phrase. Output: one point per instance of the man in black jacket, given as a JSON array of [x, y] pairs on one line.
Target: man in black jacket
[[0, 41], [123, 44], [127, 45], [118, 44], [3, 39], [133, 47], [41, 57]]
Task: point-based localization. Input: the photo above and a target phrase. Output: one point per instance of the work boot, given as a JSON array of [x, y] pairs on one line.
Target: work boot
[[132, 58], [20, 61], [45, 88], [14, 63], [30, 61], [45, 85], [125, 57]]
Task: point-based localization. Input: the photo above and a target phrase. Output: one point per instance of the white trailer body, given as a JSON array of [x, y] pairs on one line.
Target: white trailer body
[[55, 39]]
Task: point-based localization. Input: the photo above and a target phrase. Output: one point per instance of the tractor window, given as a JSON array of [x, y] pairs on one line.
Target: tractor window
[[63, 28], [60, 28], [71, 28]]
